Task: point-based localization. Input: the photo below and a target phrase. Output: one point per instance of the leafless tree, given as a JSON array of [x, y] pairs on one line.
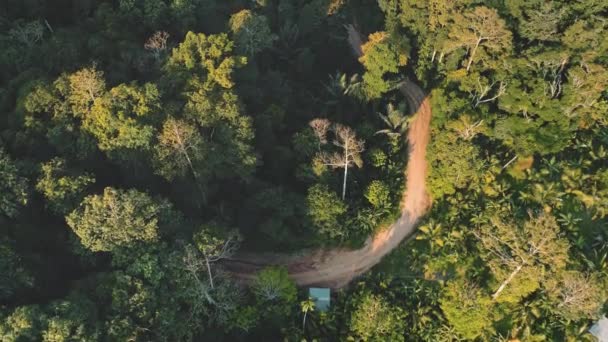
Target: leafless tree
[[157, 43], [349, 154], [320, 127]]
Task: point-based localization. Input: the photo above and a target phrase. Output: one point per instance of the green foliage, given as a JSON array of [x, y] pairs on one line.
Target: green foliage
[[13, 187], [82, 89], [22, 324], [454, 164], [63, 188], [467, 308], [251, 32], [275, 293], [576, 295], [482, 32], [117, 219], [378, 194], [122, 118], [325, 211], [180, 150], [375, 319], [210, 55], [514, 244], [381, 57], [13, 275], [520, 258]]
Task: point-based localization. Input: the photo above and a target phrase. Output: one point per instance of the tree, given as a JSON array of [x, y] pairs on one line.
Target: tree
[[13, 188], [210, 55], [378, 194], [381, 56], [71, 319], [157, 44], [85, 86], [350, 154], [29, 33], [539, 20], [374, 319], [395, 121], [251, 32], [325, 211], [320, 128], [63, 188], [306, 306], [481, 27], [180, 149], [454, 164], [203, 65], [577, 295], [274, 291], [13, 275], [519, 258], [24, 323], [118, 219], [466, 307], [123, 118], [214, 246]]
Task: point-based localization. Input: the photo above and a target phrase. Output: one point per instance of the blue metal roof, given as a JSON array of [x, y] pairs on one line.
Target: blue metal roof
[[321, 297]]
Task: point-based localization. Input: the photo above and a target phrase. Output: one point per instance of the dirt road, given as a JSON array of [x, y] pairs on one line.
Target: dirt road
[[337, 267]]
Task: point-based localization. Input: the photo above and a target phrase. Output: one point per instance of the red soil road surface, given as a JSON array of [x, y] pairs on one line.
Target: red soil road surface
[[337, 267]]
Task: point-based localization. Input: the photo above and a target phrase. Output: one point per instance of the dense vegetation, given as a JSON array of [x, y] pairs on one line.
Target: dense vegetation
[[142, 141]]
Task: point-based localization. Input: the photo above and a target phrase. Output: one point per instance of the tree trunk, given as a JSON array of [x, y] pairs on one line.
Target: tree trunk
[[209, 271], [344, 183], [473, 53], [187, 156], [304, 321], [507, 281]]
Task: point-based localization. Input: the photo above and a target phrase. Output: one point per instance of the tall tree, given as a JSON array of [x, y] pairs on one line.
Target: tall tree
[[216, 243], [467, 308], [118, 219], [180, 149], [480, 28], [381, 58], [251, 31], [85, 86], [374, 319], [520, 256], [123, 118], [275, 292], [350, 152]]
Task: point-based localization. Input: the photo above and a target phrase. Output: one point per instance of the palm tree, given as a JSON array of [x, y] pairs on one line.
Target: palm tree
[[340, 86], [396, 122], [307, 305]]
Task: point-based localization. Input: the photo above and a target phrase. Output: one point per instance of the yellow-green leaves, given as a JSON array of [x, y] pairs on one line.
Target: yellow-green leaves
[[210, 55], [116, 219]]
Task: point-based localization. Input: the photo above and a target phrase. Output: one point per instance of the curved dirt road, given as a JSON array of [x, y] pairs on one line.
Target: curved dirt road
[[337, 267]]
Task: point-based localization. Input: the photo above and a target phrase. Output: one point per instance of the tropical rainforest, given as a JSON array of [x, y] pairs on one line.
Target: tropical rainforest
[[143, 143]]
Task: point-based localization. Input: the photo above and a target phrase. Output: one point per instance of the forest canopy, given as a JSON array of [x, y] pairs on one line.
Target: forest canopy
[[144, 143]]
